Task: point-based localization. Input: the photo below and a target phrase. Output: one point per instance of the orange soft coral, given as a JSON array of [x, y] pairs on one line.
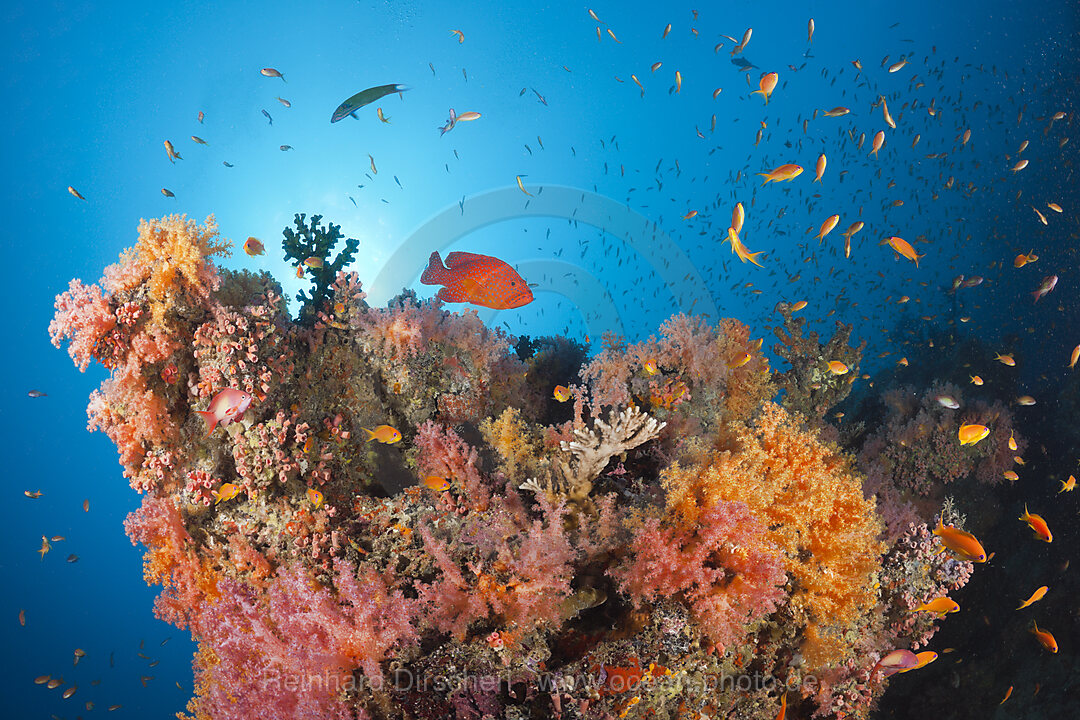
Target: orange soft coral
[[171, 258], [812, 503], [516, 443]]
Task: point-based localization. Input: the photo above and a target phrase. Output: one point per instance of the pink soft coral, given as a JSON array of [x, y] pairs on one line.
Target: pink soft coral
[[85, 317], [290, 652], [728, 573], [517, 571]]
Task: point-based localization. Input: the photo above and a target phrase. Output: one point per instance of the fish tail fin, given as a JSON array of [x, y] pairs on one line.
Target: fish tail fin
[[371, 433], [435, 273], [752, 257], [767, 178], [208, 416]]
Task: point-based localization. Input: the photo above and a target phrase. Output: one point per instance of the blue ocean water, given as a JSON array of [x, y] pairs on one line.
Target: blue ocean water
[[93, 90]]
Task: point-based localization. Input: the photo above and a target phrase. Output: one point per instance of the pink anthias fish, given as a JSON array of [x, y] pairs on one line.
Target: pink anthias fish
[[227, 406], [1048, 284], [895, 662]]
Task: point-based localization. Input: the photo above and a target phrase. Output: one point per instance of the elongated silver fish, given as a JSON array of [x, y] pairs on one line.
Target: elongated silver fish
[[362, 98]]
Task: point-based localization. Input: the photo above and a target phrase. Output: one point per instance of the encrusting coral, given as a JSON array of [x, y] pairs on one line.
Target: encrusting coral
[[516, 557]]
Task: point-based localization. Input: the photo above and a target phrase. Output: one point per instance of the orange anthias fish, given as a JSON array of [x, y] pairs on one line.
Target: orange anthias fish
[[879, 140], [384, 434], [961, 542], [254, 247], [1035, 597], [827, 226], [227, 405], [1036, 523], [837, 368], [1045, 638], [1021, 260], [477, 279], [561, 393], [738, 216], [226, 492], [972, 433], [903, 247], [922, 659], [315, 497], [1067, 485], [436, 483], [941, 606], [767, 84], [787, 171], [741, 250], [739, 361]]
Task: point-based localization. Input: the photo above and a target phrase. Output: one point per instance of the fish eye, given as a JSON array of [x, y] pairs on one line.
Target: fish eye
[[513, 282]]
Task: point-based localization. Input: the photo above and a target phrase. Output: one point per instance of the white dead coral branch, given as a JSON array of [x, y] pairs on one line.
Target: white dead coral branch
[[592, 448]]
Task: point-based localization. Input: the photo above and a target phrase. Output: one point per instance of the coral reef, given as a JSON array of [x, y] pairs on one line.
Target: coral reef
[[809, 386], [309, 247], [638, 551]]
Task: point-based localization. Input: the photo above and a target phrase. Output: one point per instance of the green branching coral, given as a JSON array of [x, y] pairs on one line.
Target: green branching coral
[[309, 247]]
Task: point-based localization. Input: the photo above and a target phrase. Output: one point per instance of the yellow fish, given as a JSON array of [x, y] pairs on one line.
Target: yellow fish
[[837, 368], [384, 434], [972, 433], [941, 606], [1035, 597], [739, 249], [787, 171], [226, 492], [436, 483], [903, 247]]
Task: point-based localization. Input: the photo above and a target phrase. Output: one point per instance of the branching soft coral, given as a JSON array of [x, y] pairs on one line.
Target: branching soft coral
[[187, 580], [724, 568], [809, 386], [516, 574], [136, 419], [290, 652], [84, 317], [172, 259], [696, 375], [516, 443], [814, 508]]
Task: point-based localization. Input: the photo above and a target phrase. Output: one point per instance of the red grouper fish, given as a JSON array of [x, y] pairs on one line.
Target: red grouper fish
[[477, 279]]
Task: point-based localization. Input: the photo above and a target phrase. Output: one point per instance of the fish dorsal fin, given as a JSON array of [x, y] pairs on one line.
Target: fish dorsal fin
[[457, 259]]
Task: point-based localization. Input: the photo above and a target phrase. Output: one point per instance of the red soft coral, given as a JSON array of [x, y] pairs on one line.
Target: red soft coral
[[725, 570]]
